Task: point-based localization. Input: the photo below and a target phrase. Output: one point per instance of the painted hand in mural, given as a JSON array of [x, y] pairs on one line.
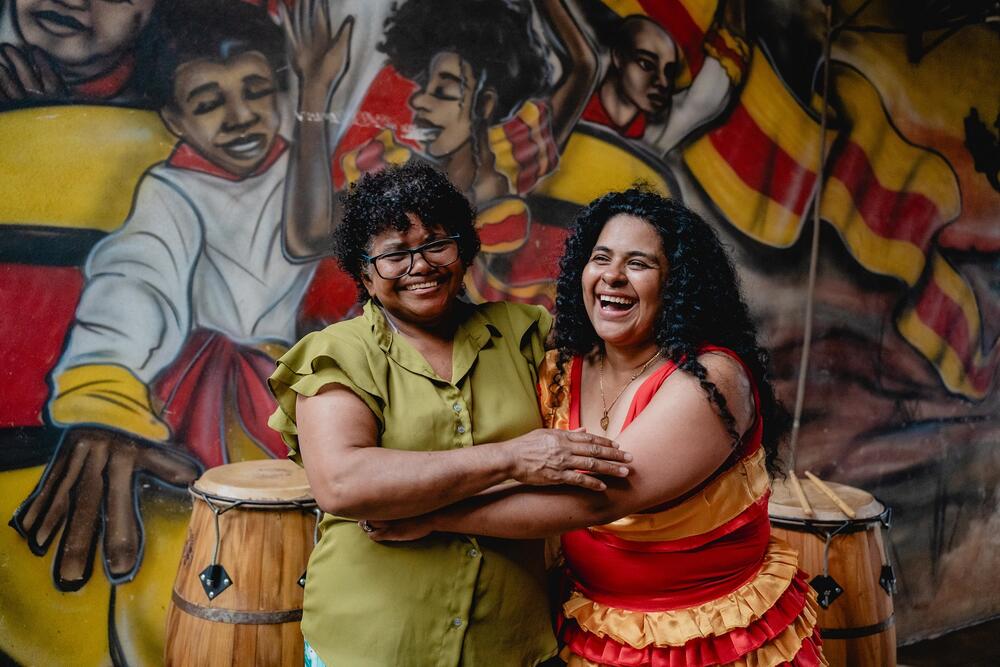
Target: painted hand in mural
[[320, 58], [90, 484], [27, 74], [317, 55]]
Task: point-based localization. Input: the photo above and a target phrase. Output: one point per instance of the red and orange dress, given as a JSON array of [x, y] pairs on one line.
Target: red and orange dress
[[698, 581]]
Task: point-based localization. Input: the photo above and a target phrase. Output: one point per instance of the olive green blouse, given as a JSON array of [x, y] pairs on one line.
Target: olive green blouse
[[444, 599]]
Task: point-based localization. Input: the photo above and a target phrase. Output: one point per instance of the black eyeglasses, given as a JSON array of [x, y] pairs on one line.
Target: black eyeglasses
[[398, 263]]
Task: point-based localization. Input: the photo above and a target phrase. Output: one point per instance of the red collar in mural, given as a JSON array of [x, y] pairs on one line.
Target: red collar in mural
[[108, 85], [596, 113], [186, 157]]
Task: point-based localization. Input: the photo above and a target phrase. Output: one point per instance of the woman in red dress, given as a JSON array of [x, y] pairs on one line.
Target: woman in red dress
[[675, 564]]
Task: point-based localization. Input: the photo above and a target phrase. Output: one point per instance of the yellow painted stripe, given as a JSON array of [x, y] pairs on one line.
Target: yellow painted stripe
[[76, 166], [779, 115], [892, 257], [530, 115], [591, 167], [501, 211], [624, 7], [955, 286], [936, 349], [758, 216], [701, 11], [898, 164]]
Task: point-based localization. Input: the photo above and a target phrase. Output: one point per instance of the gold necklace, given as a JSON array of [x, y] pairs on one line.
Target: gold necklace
[[607, 408]]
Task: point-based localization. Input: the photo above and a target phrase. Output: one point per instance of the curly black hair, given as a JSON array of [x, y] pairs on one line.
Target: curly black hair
[[379, 201], [495, 38], [701, 302]]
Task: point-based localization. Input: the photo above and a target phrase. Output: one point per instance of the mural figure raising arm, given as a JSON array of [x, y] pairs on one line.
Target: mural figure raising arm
[[320, 59], [170, 349]]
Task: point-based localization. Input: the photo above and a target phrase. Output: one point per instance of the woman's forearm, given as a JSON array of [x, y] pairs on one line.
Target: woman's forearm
[[379, 483], [525, 513]]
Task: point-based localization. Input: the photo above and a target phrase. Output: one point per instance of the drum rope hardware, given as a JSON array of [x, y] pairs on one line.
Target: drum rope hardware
[[827, 588], [214, 578]]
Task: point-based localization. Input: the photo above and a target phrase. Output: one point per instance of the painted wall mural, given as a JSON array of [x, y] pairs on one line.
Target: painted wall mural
[[168, 168]]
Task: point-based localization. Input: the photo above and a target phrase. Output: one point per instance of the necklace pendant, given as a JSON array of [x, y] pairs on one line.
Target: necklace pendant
[[605, 421]]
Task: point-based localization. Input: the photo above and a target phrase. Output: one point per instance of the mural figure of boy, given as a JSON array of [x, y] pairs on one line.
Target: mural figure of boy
[[53, 50], [649, 92], [166, 363], [485, 113]]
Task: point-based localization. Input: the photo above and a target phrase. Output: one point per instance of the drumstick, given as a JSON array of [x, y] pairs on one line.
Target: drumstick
[[800, 494], [830, 494]]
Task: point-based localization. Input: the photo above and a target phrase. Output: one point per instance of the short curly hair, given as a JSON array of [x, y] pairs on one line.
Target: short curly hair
[[496, 39], [379, 201], [701, 301]]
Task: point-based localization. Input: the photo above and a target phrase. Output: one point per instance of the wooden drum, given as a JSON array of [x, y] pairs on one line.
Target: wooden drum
[[849, 569], [237, 599]]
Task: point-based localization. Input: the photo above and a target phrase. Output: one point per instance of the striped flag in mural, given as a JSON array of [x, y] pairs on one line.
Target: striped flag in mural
[[888, 199], [760, 167]]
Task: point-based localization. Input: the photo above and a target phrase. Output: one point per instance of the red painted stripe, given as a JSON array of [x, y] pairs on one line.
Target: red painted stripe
[[37, 305], [512, 228], [892, 214], [761, 163], [946, 318], [676, 20], [524, 151]]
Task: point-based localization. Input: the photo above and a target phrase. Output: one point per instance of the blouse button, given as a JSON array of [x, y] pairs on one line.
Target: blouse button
[[461, 429], [457, 622], [456, 407]]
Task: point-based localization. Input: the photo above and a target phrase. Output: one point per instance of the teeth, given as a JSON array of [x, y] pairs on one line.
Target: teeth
[[421, 285], [245, 146], [617, 299]]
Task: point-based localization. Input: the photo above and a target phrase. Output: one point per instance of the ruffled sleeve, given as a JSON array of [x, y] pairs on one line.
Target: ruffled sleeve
[[320, 359], [531, 326]]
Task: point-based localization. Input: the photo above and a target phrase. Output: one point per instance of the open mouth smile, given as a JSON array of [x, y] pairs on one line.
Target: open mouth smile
[[247, 146], [616, 304], [425, 286], [58, 24]]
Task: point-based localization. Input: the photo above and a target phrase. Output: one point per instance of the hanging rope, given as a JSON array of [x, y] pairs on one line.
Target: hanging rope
[[800, 388]]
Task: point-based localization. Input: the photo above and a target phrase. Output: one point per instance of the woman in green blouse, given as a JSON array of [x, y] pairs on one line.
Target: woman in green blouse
[[383, 411]]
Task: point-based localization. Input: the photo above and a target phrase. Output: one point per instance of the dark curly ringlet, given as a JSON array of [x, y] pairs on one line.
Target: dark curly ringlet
[[701, 301], [494, 37], [379, 201]]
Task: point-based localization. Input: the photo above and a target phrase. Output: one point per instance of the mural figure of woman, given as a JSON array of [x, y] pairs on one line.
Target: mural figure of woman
[[486, 114]]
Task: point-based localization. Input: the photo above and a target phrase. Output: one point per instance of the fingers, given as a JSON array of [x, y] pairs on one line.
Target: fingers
[[583, 436], [577, 478], [45, 513], [22, 70], [10, 89], [287, 24], [122, 529], [167, 465], [598, 467], [52, 84], [75, 558]]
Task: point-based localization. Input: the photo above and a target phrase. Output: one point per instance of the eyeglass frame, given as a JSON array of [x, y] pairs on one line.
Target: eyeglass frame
[[413, 251]]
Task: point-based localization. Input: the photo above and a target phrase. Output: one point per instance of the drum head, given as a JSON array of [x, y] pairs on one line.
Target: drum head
[[785, 505], [267, 480]]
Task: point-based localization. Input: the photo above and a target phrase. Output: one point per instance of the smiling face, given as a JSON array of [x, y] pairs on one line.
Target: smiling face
[[623, 282], [227, 111], [646, 69], [443, 107], [427, 295], [84, 38]]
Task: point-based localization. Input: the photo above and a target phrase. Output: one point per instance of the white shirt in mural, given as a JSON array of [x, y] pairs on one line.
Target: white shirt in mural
[[197, 251]]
